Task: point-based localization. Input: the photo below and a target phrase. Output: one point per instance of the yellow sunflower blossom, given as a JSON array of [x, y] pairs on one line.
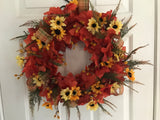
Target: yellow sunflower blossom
[[101, 20], [93, 26], [42, 44], [48, 105], [20, 61], [130, 74], [58, 33], [75, 93], [38, 81], [66, 94], [96, 88], [116, 25], [92, 105], [108, 63], [114, 88], [57, 22], [74, 2]]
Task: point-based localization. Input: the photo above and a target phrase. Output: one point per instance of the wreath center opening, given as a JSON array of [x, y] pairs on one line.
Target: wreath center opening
[[76, 59]]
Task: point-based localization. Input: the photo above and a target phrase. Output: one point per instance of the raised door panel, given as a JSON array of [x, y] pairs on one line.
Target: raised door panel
[[130, 106]]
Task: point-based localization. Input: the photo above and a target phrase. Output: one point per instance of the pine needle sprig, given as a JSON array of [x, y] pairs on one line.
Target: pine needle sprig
[[21, 37], [33, 99], [133, 63], [117, 8], [125, 28], [31, 23], [111, 76]]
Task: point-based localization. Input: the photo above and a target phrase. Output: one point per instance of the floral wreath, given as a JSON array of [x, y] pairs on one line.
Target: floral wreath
[[43, 47]]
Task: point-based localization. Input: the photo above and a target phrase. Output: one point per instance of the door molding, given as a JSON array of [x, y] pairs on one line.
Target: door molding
[[1, 105], [156, 110]]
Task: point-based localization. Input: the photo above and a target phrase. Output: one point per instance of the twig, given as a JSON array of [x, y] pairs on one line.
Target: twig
[[134, 51], [104, 110], [78, 112]]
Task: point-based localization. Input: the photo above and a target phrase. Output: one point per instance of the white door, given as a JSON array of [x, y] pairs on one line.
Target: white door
[[130, 106]]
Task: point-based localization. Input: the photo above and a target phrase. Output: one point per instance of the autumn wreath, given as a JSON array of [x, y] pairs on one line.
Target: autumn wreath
[[43, 47]]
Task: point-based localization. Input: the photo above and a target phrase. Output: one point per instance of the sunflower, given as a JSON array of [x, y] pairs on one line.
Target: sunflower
[[20, 61], [116, 25], [96, 88], [101, 20], [74, 2], [65, 94], [108, 63], [114, 87], [38, 81], [57, 22], [48, 105], [42, 44], [130, 74], [58, 33], [92, 105], [75, 93], [93, 26]]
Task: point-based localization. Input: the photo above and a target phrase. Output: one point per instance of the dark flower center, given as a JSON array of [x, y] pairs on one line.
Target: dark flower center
[[98, 88], [129, 74], [67, 93], [100, 19], [58, 32], [74, 92], [39, 80], [91, 105], [58, 22], [106, 63], [43, 43], [94, 25], [47, 105], [115, 26]]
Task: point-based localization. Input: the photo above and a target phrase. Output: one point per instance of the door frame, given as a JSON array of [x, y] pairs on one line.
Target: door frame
[[156, 109]]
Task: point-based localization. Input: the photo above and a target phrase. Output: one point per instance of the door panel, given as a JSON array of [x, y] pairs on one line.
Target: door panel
[[130, 105]]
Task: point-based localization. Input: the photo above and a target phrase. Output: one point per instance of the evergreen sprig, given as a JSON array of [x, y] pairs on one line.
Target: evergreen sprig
[[33, 99], [111, 76], [133, 63]]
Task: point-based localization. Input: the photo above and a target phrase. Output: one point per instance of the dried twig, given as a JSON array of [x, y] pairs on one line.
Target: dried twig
[[134, 51], [117, 8], [78, 112], [104, 110], [31, 23], [110, 103], [130, 87]]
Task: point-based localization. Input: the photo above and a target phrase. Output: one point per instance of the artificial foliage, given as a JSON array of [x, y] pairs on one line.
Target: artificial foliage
[[42, 50]]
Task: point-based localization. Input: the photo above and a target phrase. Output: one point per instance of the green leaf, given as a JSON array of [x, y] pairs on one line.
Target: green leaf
[[57, 64], [111, 76]]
